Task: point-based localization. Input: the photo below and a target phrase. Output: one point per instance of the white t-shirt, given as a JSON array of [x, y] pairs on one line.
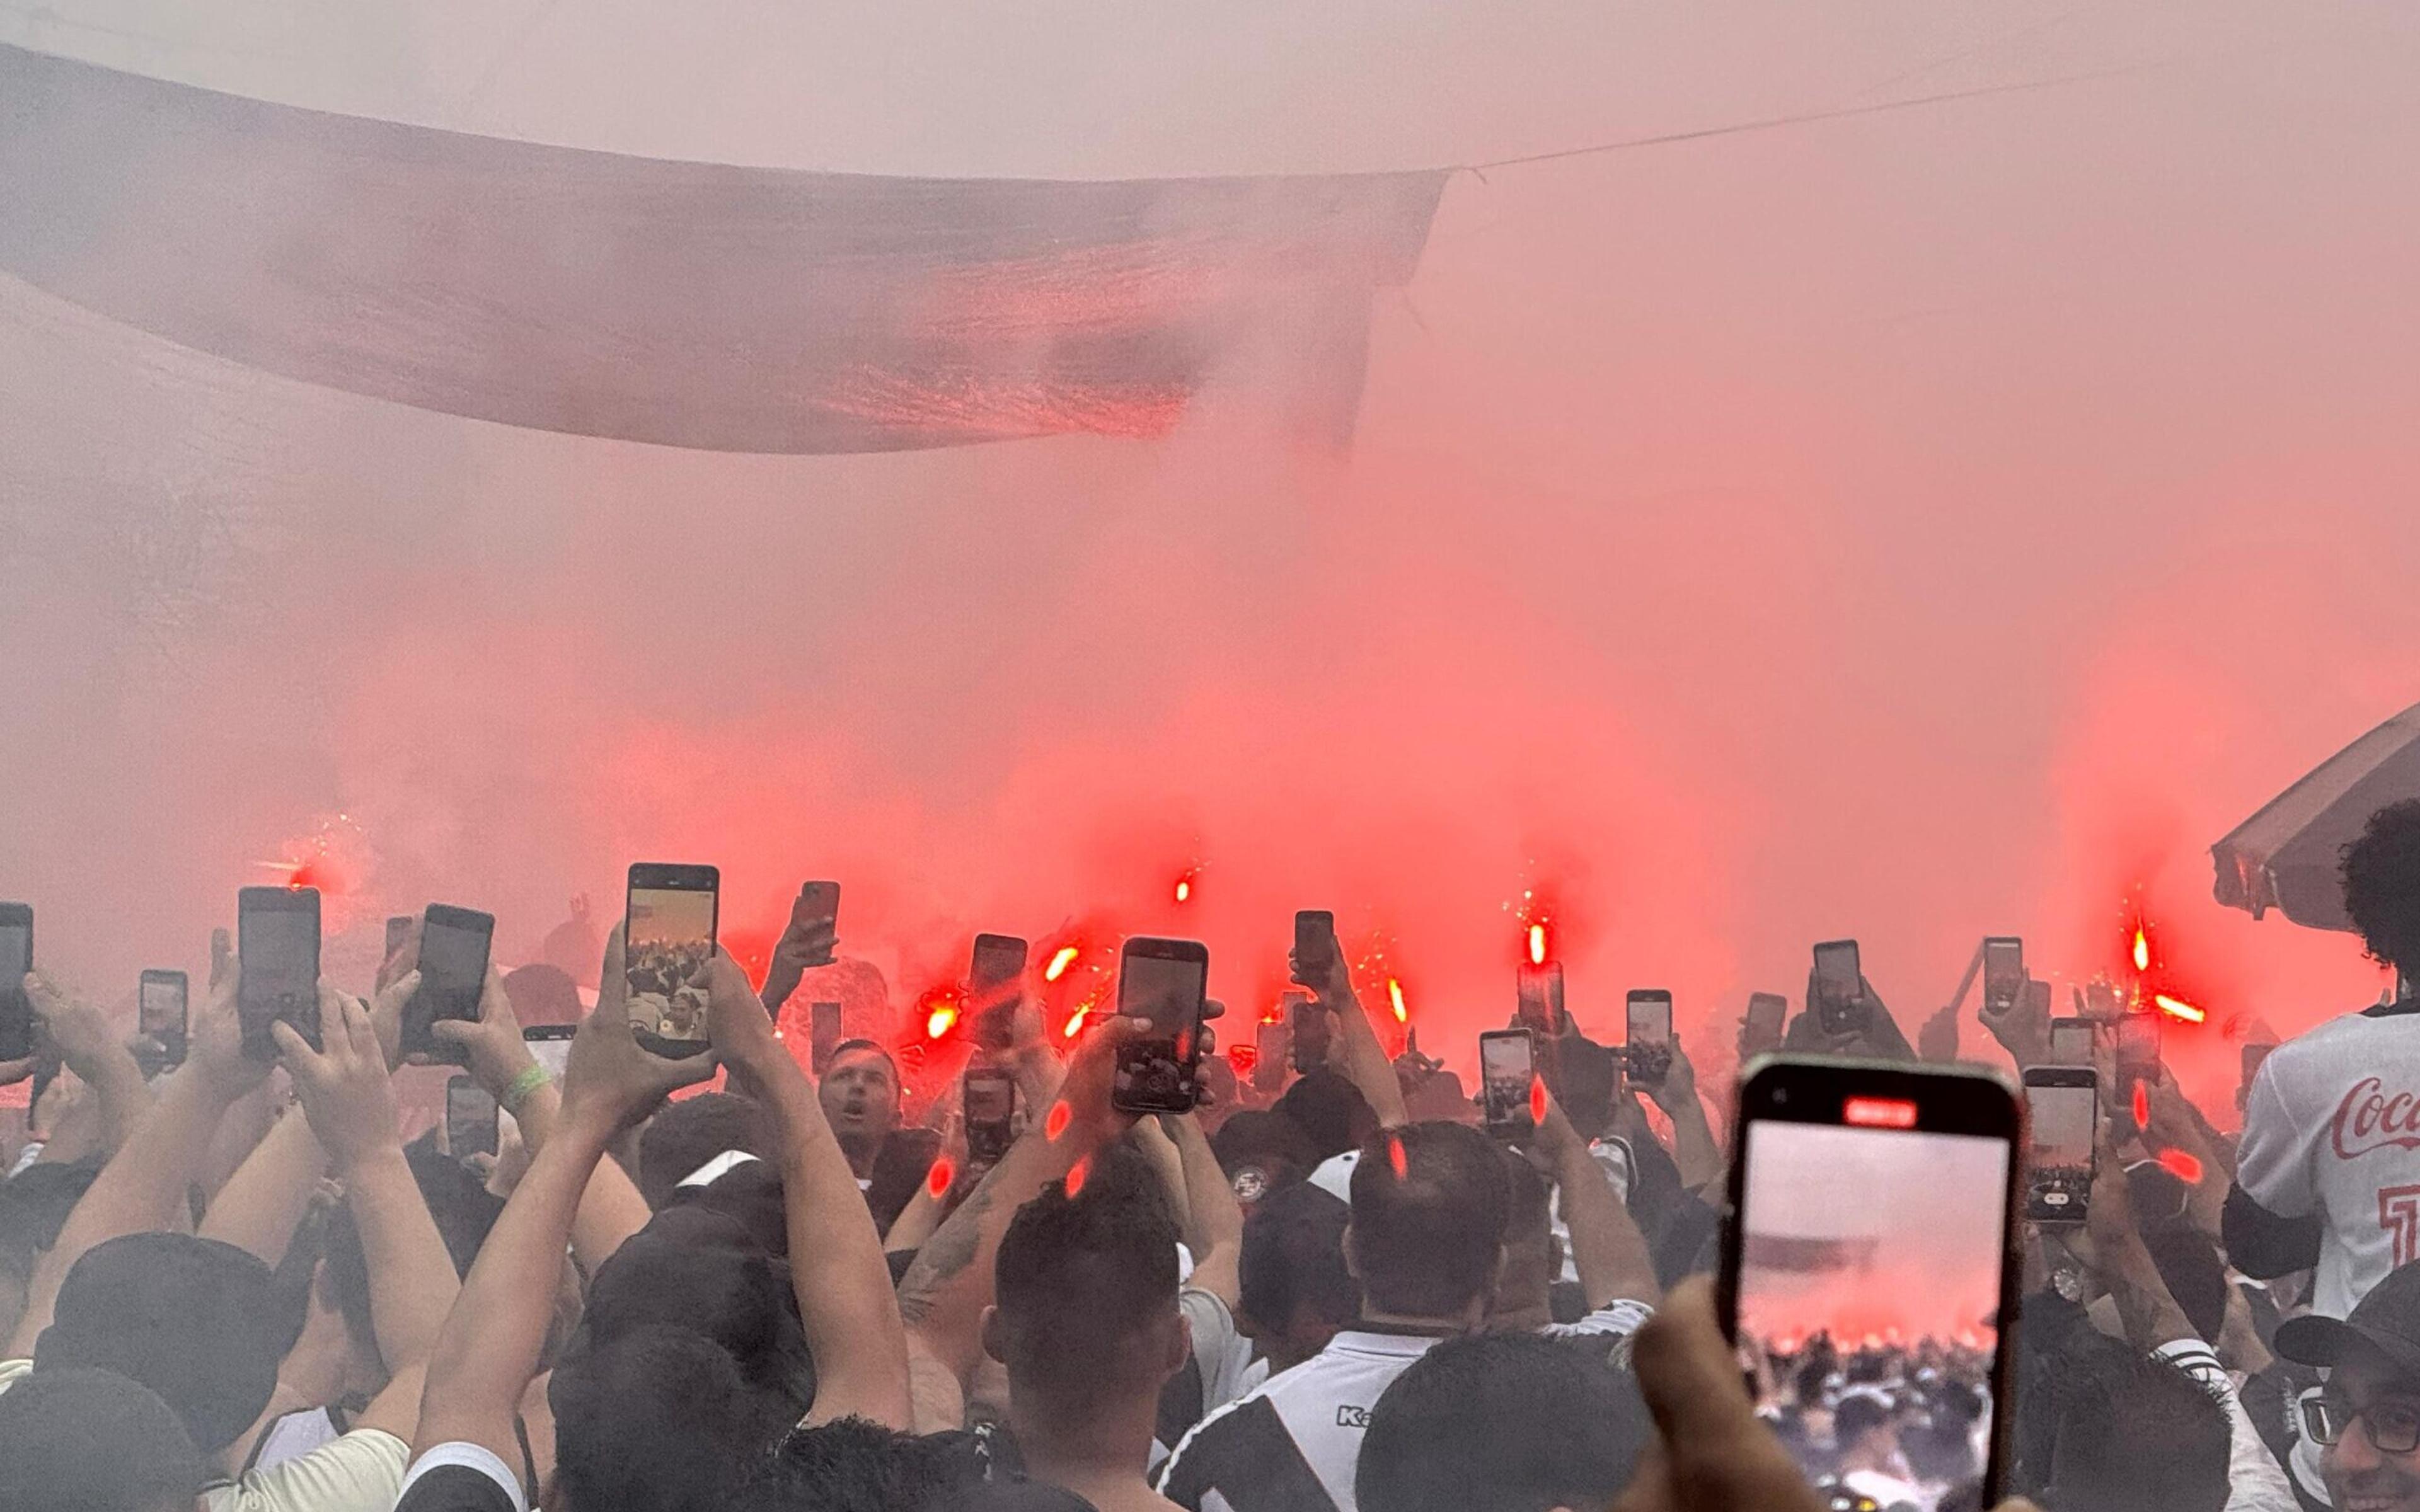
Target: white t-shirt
[[2331, 1131], [361, 1471], [2256, 1481]]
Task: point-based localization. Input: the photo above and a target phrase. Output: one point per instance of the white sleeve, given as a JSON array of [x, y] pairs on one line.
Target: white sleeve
[[2258, 1483], [2272, 1164]]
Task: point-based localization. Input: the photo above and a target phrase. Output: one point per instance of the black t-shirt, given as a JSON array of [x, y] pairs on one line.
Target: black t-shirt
[[905, 1160]]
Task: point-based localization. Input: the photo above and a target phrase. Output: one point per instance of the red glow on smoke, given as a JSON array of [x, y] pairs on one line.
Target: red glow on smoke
[[1055, 1122], [2181, 1165], [938, 1179]]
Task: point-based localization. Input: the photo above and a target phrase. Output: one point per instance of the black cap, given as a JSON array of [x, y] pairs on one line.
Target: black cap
[[2388, 1320], [81, 1441], [197, 1322]]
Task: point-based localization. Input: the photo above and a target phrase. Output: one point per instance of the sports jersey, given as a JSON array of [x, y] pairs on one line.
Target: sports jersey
[[2332, 1144], [1292, 1445]]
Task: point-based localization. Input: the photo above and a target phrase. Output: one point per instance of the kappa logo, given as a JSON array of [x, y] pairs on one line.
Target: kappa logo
[[1352, 1418], [2371, 1118]]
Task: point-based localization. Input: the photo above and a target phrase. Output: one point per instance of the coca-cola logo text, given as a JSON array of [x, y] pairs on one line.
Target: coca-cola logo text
[[2370, 1119]]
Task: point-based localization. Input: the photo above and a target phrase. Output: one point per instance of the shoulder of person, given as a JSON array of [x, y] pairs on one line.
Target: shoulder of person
[[461, 1477], [359, 1471]]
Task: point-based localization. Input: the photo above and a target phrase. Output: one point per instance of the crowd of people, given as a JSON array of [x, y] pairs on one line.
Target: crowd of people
[[256, 1284]]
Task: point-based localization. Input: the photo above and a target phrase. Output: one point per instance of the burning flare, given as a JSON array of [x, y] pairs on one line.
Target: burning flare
[[2142, 949], [1537, 944], [2177, 1008], [940, 1021], [1395, 996], [1060, 963]]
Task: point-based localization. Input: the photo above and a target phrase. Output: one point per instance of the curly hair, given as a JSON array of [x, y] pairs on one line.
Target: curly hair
[[2382, 885]]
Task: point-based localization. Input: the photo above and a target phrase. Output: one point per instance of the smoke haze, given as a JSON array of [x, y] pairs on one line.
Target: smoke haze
[[1912, 527]]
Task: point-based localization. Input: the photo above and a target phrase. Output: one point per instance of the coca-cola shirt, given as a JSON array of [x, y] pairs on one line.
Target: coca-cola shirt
[[2331, 1132]]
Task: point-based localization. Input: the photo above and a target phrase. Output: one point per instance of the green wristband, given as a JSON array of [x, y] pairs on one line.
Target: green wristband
[[530, 1080]]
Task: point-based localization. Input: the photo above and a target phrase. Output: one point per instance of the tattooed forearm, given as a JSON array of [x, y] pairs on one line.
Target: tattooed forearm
[[947, 1254]]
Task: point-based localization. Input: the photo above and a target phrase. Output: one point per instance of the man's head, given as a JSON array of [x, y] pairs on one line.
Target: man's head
[[2370, 1408], [92, 1441], [1863, 1426], [2134, 1434], [1086, 1315], [1429, 1216], [1297, 1291], [659, 1420], [1329, 1111], [200, 1324], [686, 1135], [543, 994], [1532, 1256], [860, 1092], [2382, 885], [1502, 1423]]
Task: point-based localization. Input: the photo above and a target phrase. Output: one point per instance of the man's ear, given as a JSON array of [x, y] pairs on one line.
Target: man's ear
[[990, 1331], [1179, 1345]]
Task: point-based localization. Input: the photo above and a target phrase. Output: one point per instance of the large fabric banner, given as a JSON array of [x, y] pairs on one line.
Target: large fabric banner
[[687, 303]]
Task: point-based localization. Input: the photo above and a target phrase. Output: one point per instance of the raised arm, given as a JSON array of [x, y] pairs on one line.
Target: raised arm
[[611, 1210], [1694, 1149], [1607, 1249], [98, 1057], [1354, 1052], [1214, 1228], [846, 1301], [943, 1297], [142, 1188], [490, 1345], [349, 1105]]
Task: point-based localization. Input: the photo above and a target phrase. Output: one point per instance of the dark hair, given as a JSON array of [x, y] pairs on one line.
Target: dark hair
[[658, 1420], [1330, 1111], [1429, 1212], [1857, 1415], [2133, 1432], [1293, 1258], [1502, 1423], [458, 1200], [35, 1202], [699, 1272], [851, 1047], [1265, 1141], [2382, 885], [853, 1465], [1078, 1280], [1586, 1075], [92, 1441], [1529, 1201], [684, 1135]]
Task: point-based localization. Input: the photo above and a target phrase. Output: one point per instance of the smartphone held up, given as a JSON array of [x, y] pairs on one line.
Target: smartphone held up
[[667, 955], [1167, 983], [16, 960], [1872, 1218], [277, 961]]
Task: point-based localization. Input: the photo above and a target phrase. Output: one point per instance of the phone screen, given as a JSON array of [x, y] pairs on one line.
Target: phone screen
[[1508, 1067], [2138, 1044], [160, 1013], [1649, 1045], [1157, 1074], [668, 958], [399, 928], [16, 1010], [1000, 959], [553, 1054], [277, 950], [2070, 1042], [1272, 1046], [1314, 944], [1877, 1253], [2004, 973], [471, 1123], [1761, 1028], [2060, 1149], [452, 969], [1837, 971]]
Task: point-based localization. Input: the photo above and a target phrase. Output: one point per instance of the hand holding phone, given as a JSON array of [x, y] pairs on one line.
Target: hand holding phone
[[813, 934], [1837, 992], [2063, 1127], [1648, 1053], [1760, 1027], [987, 1103], [277, 967], [1508, 1077], [453, 966], [668, 956], [162, 1016], [1315, 953], [2004, 972], [16, 960], [472, 1126], [1167, 983], [994, 978]]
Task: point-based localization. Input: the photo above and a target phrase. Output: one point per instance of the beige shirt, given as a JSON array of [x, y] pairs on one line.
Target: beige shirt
[[361, 1471]]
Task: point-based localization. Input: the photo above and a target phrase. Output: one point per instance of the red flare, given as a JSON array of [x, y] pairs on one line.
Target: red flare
[[2177, 1008], [939, 1020], [1055, 1122], [1537, 1100], [1395, 996], [1075, 1175], [2181, 1165], [2142, 1105], [1060, 963], [1395, 1157], [2142, 949], [1537, 944], [938, 1179], [1075, 1022]]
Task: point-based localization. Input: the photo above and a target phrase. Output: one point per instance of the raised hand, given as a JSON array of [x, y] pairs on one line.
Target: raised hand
[[491, 1046], [75, 1028], [343, 1087], [609, 1082]]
